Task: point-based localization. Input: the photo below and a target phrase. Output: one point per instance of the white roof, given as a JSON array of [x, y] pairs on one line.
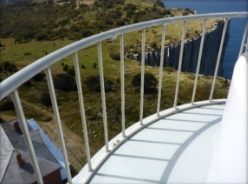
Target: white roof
[[52, 148]]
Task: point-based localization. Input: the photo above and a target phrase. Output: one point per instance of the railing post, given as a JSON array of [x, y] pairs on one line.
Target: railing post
[[218, 59], [246, 47], [122, 84], [82, 110], [27, 138], [180, 64], [243, 39], [161, 68], [99, 46], [142, 76], [58, 121], [199, 61]]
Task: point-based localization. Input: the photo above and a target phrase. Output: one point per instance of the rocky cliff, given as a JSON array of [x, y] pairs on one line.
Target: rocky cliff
[[191, 50]]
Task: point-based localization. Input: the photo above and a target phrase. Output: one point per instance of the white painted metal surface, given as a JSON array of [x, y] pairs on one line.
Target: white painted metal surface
[[174, 149], [229, 163]]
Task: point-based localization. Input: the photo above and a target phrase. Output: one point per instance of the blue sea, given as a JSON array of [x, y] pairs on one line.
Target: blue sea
[[236, 26]]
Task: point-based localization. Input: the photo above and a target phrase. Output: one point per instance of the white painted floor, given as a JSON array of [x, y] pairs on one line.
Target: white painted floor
[[176, 149]]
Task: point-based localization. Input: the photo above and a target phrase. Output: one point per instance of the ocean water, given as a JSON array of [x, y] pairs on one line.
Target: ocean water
[[236, 26]]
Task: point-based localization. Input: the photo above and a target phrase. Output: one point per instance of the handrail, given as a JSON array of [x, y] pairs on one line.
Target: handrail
[[9, 85]]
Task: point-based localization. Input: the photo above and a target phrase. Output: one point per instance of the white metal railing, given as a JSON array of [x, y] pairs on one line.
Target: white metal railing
[[11, 84]]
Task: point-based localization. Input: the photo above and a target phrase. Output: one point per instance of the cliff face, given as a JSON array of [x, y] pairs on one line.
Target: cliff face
[[191, 50]]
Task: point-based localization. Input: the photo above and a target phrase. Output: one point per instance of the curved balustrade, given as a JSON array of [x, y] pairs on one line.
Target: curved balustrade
[[11, 84]]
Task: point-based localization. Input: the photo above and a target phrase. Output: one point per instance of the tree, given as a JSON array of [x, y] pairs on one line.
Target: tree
[[150, 82]]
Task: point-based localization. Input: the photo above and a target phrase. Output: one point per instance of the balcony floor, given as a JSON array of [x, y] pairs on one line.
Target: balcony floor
[[175, 149]]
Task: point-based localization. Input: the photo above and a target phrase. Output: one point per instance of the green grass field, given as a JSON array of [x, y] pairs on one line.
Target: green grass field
[[68, 101]]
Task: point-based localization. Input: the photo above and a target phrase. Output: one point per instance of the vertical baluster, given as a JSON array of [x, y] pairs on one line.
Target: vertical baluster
[[99, 46], [218, 58], [58, 121], [199, 60], [142, 75], [82, 110], [246, 46], [243, 39], [180, 64], [122, 84], [161, 68], [27, 138]]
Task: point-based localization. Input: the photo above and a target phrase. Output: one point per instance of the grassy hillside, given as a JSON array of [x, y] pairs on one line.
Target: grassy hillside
[[68, 101]]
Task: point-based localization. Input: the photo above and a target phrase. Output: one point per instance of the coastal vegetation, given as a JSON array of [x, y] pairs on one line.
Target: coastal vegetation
[[32, 29]]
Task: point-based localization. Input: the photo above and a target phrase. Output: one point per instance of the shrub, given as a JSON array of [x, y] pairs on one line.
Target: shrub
[[119, 1], [115, 55], [153, 44], [1, 120], [170, 69], [185, 13], [120, 22], [94, 65], [7, 105], [8, 67], [130, 6], [65, 67], [108, 21], [28, 83], [108, 5], [27, 53], [115, 14], [39, 77], [41, 36], [86, 33], [64, 82], [93, 84], [187, 35], [130, 12], [149, 84], [71, 71], [166, 12], [159, 3], [45, 99]]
